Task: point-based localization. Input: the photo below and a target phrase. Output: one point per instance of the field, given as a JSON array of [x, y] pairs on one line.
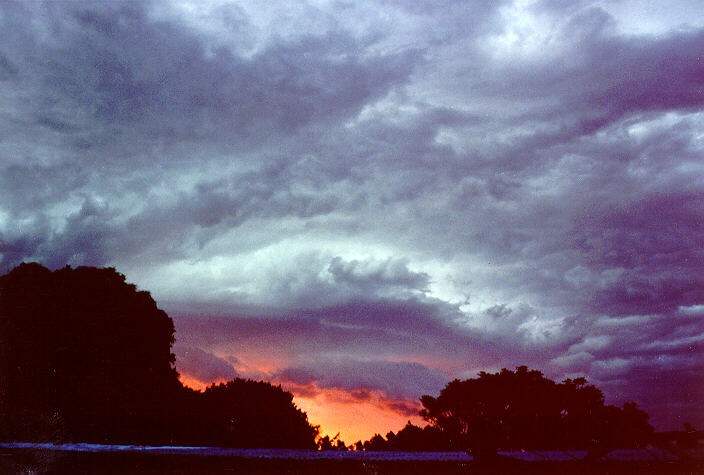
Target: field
[[24, 460]]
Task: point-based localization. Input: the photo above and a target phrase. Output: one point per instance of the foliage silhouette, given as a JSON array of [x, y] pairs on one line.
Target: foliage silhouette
[[326, 443], [409, 439], [248, 414], [514, 410], [522, 409], [85, 356]]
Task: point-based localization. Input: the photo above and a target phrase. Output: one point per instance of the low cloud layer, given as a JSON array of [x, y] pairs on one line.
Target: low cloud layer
[[402, 380], [203, 366], [421, 189]]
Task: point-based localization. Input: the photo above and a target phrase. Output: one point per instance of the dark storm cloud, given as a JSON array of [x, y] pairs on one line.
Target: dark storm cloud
[[677, 398], [466, 185], [586, 78], [113, 84], [380, 328], [201, 365], [396, 380], [31, 186], [120, 67], [372, 277], [14, 249], [428, 331], [112, 66], [654, 244], [80, 242], [629, 356], [610, 74]]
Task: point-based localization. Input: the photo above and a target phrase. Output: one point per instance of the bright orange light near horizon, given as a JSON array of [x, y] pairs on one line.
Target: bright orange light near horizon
[[193, 383], [335, 411], [353, 420]]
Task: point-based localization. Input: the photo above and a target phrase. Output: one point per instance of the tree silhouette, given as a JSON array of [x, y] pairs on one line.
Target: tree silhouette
[[409, 439], [85, 348], [326, 443], [85, 356], [376, 443], [524, 410], [245, 413], [413, 438]]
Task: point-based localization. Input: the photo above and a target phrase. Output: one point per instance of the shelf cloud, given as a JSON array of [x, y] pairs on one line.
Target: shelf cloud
[[375, 197]]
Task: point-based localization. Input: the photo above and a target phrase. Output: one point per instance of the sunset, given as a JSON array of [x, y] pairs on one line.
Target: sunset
[[364, 201]]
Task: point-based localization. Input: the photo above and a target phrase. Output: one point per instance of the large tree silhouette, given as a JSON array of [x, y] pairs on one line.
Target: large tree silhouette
[[524, 410], [246, 413], [84, 349], [514, 410], [85, 356]]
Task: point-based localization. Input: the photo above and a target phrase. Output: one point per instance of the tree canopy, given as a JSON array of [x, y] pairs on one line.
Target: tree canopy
[[248, 414], [522, 409], [86, 357], [410, 438], [515, 410]]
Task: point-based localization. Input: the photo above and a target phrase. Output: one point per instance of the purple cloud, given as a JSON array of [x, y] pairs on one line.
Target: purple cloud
[[203, 366]]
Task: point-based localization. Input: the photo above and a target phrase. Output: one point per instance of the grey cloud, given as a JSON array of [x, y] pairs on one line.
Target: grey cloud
[[653, 246], [80, 241], [416, 193], [7, 69], [371, 276], [13, 249], [396, 380], [316, 280], [202, 365], [340, 330], [670, 395], [380, 329], [119, 85], [404, 408], [619, 74], [126, 68], [630, 356], [582, 82], [32, 187]]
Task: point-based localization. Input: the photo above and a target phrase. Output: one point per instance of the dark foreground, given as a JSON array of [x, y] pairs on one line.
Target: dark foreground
[[40, 461]]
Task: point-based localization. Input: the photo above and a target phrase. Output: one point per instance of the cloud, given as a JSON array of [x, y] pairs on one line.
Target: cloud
[[376, 328], [370, 276], [398, 380], [480, 185], [393, 385], [203, 366], [125, 93]]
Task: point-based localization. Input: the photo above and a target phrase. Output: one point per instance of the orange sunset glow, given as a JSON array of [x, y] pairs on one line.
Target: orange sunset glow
[[337, 411], [358, 420]]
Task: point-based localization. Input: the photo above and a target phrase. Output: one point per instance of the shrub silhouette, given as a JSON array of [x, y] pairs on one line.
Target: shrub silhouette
[[85, 356]]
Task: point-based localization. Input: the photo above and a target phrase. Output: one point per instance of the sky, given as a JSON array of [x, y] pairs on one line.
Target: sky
[[363, 200]]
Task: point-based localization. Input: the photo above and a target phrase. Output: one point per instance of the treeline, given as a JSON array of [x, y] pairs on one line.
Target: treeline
[[515, 410], [85, 357]]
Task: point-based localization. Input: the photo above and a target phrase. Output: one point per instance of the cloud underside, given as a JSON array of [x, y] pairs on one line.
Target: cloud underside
[[341, 205]]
